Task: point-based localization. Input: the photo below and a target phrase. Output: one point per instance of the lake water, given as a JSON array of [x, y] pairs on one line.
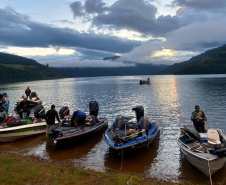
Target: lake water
[[168, 100]]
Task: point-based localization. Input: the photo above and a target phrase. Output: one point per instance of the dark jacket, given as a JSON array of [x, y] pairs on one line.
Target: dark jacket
[[23, 105], [50, 117], [28, 92]]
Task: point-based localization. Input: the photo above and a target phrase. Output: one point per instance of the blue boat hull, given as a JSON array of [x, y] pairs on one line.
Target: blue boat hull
[[142, 139]]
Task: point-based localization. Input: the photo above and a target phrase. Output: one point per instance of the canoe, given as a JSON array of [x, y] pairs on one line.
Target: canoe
[[206, 151], [11, 133], [126, 134]]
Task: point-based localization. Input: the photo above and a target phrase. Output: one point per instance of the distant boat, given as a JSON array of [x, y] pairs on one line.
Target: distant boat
[[145, 81], [206, 151], [125, 134]]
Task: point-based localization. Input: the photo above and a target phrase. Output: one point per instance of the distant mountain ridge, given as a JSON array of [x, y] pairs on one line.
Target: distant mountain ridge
[[15, 68], [210, 62], [139, 69]]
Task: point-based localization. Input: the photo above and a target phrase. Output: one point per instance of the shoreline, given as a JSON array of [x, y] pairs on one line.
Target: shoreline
[[22, 169]]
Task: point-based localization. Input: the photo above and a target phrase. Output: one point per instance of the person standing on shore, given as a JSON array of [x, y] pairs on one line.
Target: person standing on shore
[[50, 117]]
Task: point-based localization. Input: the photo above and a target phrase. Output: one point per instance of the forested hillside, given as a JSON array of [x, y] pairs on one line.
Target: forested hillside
[[211, 62], [14, 68], [139, 69]]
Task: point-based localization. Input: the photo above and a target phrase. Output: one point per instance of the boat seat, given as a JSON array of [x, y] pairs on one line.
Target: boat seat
[[144, 123], [118, 122], [213, 137], [195, 146]]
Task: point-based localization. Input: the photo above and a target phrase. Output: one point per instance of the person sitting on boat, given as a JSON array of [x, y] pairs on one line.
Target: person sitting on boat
[[50, 117], [28, 92], [23, 107], [3, 112], [78, 118], [5, 102], [198, 117]]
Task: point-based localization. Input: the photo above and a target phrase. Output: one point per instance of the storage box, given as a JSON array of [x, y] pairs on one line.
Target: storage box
[[203, 137]]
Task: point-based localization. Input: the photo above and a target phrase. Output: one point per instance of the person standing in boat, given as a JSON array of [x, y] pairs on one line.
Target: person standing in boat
[[28, 92], [24, 107], [3, 113], [50, 117], [198, 117]]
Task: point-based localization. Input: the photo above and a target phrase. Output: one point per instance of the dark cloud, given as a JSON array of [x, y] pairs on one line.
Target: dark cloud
[[89, 7], [95, 6], [77, 8], [137, 15], [201, 4], [20, 31]]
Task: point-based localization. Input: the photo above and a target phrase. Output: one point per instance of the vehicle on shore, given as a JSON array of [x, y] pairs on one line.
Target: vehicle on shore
[[125, 134], [206, 151]]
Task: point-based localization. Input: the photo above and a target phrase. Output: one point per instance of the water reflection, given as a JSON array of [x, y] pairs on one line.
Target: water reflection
[[166, 164], [168, 100], [134, 160]]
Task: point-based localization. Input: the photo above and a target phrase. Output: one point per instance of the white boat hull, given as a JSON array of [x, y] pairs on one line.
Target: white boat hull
[[206, 166], [17, 132], [206, 162]]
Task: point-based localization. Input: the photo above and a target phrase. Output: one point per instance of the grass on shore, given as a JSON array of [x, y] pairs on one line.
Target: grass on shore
[[16, 169]]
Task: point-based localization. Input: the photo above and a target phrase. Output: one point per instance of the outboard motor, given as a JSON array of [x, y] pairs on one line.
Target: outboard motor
[[64, 111], [39, 112], [33, 94], [93, 108], [139, 111]]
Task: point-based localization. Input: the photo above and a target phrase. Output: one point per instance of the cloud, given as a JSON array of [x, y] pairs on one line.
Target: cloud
[[89, 7], [85, 63], [198, 36], [201, 4], [95, 6], [19, 30], [77, 9], [133, 28], [136, 15]]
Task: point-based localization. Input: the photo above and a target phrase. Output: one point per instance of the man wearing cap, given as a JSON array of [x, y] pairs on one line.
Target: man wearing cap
[[198, 117], [50, 116], [78, 118]]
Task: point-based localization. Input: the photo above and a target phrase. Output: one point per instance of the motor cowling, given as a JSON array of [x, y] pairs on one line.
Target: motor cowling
[[93, 108], [39, 112], [64, 111], [33, 94], [139, 111]]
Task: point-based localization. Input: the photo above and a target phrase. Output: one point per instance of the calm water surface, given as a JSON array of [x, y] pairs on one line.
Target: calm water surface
[[168, 100]]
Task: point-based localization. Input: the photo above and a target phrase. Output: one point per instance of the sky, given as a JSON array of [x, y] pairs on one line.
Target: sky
[[67, 33]]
